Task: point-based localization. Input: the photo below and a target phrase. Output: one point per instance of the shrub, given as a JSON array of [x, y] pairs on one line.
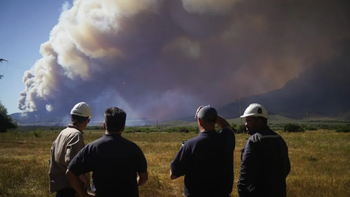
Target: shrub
[[290, 127], [310, 128], [181, 129], [184, 130], [240, 129], [344, 129], [276, 127], [6, 122]]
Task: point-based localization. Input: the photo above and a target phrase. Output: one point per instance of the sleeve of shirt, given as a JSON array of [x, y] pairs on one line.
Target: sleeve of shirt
[[249, 167], [140, 161], [179, 164], [81, 163], [288, 163], [228, 135], [75, 144]]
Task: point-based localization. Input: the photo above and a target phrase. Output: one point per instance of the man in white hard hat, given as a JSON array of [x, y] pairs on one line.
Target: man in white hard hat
[[264, 160], [206, 160], [67, 144]]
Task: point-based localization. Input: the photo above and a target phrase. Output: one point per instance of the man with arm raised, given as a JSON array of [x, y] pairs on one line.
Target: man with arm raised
[[206, 160]]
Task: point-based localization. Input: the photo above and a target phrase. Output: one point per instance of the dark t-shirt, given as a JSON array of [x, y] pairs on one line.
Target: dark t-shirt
[[115, 162], [265, 165], [207, 163]]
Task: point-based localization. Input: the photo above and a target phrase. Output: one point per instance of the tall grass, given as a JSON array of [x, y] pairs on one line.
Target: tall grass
[[320, 162]]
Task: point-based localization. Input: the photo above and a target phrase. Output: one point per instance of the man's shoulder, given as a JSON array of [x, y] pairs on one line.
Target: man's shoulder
[[70, 132], [194, 139], [131, 146], [190, 142], [255, 137], [126, 141], [102, 140], [226, 132], [267, 133]]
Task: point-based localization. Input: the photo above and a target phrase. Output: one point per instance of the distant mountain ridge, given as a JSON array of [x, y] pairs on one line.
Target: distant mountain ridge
[[320, 92]]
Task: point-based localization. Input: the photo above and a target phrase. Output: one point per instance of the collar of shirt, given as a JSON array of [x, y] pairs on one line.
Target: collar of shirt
[[115, 135], [72, 126], [265, 130], [206, 133]]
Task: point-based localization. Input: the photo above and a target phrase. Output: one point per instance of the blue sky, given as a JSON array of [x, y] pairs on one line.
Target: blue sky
[[25, 25]]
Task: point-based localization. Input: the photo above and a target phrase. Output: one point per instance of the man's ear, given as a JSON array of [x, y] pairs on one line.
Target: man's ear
[[104, 126], [200, 121]]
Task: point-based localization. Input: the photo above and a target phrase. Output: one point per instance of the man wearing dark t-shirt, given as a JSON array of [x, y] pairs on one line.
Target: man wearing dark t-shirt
[[206, 160], [265, 161], [118, 165]]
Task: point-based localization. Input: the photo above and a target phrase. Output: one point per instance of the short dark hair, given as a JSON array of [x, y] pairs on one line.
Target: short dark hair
[[114, 119], [77, 119]]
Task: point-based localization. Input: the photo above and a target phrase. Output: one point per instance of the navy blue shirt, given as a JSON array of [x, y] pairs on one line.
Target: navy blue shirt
[[115, 162], [206, 161], [265, 165]]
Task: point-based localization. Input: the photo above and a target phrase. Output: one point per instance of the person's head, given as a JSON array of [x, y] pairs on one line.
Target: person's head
[[80, 115], [206, 117], [255, 118], [114, 120]]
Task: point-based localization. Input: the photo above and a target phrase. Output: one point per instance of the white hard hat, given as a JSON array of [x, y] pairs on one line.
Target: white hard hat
[[256, 110], [81, 109]]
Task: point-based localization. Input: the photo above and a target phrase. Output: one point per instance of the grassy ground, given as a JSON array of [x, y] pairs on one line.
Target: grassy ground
[[320, 162]]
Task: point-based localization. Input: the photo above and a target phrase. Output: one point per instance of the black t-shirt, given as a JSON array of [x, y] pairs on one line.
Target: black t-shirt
[[207, 163], [115, 162], [265, 165]]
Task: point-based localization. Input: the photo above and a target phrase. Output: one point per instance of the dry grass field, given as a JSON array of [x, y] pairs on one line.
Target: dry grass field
[[320, 162]]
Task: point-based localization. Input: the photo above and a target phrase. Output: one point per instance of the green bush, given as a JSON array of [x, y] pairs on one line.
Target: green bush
[[6, 122], [276, 127], [240, 128], [310, 128], [343, 129], [290, 127], [181, 129]]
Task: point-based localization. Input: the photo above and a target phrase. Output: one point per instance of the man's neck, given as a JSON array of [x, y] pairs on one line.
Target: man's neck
[[113, 133], [79, 127], [202, 129]]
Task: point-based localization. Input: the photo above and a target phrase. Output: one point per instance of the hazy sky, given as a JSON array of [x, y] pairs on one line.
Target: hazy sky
[[160, 59], [25, 25]]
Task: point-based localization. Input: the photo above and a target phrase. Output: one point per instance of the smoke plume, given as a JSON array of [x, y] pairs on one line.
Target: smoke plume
[[161, 59]]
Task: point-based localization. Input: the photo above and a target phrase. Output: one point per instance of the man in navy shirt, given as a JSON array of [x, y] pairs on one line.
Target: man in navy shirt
[[265, 162], [118, 165], [206, 160]]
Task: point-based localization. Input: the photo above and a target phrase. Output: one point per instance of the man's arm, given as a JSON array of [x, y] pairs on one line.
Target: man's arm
[[142, 178], [179, 164], [222, 123], [75, 183], [75, 144], [172, 176], [249, 167], [288, 162], [85, 179]]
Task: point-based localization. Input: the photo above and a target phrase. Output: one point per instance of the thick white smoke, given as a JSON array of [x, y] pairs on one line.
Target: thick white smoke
[[160, 59]]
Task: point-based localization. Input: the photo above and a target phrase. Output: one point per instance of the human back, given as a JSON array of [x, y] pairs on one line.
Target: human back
[[115, 162], [66, 145], [264, 160], [206, 160], [206, 175], [273, 165], [118, 165]]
